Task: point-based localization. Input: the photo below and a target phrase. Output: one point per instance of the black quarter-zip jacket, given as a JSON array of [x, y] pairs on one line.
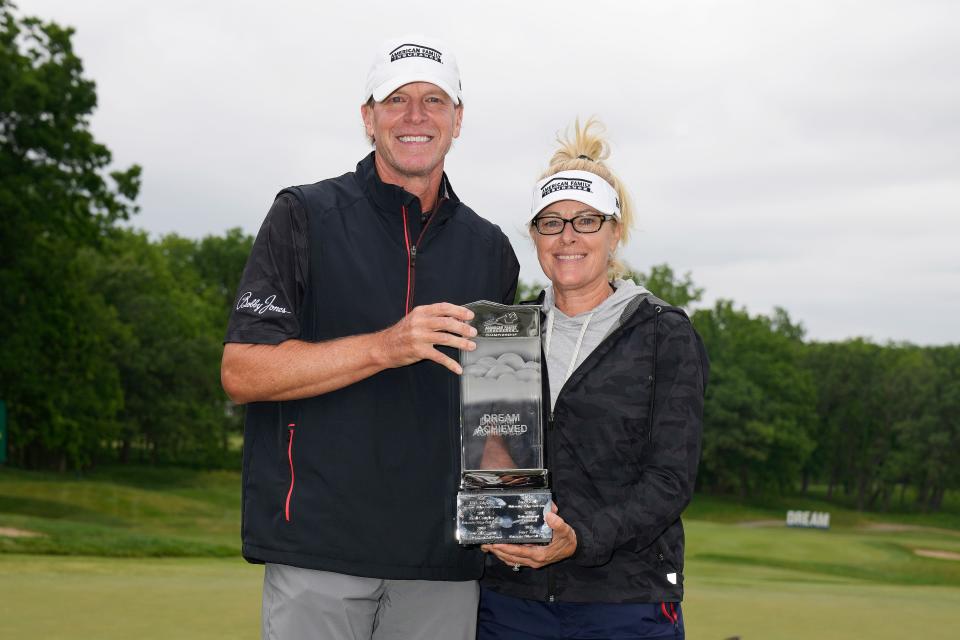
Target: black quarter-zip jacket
[[363, 480], [623, 446]]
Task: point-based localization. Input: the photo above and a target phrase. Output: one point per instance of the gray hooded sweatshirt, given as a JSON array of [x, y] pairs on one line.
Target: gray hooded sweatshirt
[[568, 340]]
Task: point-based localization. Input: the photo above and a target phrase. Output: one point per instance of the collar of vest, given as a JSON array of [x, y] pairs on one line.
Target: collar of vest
[[390, 197]]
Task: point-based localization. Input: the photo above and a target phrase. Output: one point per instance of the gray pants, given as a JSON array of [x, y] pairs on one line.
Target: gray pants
[[303, 604]]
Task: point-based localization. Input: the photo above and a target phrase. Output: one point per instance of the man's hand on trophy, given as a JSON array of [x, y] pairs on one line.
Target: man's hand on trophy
[[417, 335], [562, 546]]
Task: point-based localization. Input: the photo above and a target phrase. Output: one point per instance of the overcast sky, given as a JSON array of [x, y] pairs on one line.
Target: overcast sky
[[797, 154]]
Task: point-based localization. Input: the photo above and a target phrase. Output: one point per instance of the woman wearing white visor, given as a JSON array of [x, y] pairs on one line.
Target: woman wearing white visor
[[626, 376]]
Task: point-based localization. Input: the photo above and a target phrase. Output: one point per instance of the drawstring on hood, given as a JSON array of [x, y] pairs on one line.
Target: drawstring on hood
[[551, 316], [569, 340]]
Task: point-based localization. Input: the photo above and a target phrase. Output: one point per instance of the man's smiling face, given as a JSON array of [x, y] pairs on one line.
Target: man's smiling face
[[413, 129]]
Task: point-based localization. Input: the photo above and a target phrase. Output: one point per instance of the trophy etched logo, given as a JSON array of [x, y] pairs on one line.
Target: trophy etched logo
[[504, 492]]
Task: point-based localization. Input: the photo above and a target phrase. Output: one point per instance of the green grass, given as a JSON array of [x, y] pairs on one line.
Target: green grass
[[753, 603], [138, 553], [123, 512], [81, 598], [199, 598], [853, 555], [730, 509]]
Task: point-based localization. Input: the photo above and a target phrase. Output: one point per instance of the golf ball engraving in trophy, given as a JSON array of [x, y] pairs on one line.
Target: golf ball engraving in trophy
[[504, 494]]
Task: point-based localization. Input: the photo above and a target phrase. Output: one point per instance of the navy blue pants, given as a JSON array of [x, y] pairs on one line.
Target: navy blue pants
[[507, 618]]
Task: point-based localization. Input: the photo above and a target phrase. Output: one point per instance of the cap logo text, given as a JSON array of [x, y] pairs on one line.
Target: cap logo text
[[415, 51], [566, 184]]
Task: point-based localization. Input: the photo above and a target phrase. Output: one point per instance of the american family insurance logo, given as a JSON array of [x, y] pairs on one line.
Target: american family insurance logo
[[415, 51], [566, 184]]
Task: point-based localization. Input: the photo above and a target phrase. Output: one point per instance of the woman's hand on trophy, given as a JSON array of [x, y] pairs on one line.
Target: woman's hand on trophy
[[563, 545]]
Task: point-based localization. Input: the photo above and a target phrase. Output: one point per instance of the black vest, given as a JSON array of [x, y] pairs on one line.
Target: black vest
[[363, 480]]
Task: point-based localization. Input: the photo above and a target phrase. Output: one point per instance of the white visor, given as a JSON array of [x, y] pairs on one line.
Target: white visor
[[582, 186]]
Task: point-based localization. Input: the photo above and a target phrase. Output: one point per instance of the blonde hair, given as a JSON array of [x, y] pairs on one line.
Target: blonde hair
[[587, 150]]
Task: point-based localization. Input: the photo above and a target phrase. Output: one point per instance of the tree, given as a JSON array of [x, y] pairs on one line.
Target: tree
[[665, 284], [174, 408], [59, 336], [528, 291], [846, 379], [887, 416], [214, 264], [939, 457], [760, 402], [53, 183]]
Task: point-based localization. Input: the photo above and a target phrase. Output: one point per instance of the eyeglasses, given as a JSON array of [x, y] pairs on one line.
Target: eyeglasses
[[584, 223]]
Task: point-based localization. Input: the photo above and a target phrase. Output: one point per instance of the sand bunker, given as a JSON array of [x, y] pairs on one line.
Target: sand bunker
[[891, 527], [10, 532], [939, 555]]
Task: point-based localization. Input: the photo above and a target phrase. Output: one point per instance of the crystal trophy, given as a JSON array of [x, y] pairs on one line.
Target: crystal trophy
[[504, 493]]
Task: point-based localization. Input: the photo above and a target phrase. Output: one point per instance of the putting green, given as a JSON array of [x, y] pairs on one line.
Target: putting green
[[724, 601], [747, 575], [81, 598], [117, 598]]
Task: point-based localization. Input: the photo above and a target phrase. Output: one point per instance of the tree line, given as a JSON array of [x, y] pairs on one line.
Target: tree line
[[875, 425], [111, 340]]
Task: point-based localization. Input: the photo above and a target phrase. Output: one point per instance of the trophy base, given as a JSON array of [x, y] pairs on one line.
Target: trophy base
[[509, 517], [508, 479]]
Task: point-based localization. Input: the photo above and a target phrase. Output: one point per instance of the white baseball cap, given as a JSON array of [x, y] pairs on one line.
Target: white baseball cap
[[412, 58], [581, 186]]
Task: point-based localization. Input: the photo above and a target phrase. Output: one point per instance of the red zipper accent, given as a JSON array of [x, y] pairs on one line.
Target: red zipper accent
[[406, 242], [413, 264], [412, 253], [286, 509]]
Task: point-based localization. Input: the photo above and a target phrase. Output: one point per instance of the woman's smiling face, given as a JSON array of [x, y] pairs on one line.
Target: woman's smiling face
[[573, 260]]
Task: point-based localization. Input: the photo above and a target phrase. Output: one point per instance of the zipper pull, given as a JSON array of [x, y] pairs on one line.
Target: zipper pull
[[413, 256], [550, 421]]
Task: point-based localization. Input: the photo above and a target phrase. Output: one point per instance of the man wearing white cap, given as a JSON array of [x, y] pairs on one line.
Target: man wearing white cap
[[343, 342]]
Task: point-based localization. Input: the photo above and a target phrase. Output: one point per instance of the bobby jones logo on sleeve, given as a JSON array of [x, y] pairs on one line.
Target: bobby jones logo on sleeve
[[415, 51], [255, 305], [565, 184]]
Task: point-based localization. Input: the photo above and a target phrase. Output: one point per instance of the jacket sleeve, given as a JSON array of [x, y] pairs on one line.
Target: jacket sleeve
[[270, 294], [669, 458]]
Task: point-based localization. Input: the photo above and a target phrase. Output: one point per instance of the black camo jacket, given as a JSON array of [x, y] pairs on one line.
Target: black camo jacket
[[623, 448]]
